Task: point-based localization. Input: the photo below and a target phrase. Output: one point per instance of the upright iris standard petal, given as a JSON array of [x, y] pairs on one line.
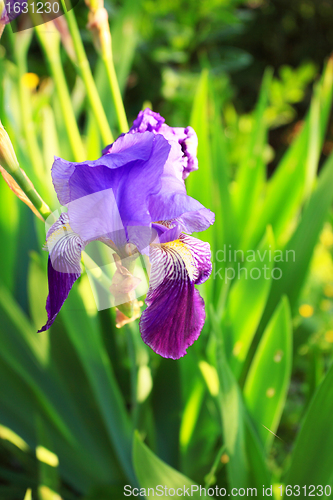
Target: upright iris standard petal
[[175, 314], [65, 249], [183, 141], [172, 202], [127, 176]]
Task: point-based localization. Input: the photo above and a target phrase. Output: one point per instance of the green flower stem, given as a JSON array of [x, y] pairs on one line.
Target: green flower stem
[[27, 187], [50, 43], [21, 45], [86, 75], [99, 26], [107, 57]]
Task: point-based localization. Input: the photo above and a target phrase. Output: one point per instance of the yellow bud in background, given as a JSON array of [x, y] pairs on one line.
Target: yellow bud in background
[[306, 310], [30, 80], [329, 336], [328, 290]]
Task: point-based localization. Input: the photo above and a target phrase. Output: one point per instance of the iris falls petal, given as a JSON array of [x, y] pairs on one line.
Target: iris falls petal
[[175, 314], [65, 249]]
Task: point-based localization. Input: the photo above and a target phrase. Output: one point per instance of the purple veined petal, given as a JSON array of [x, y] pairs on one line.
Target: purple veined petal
[[175, 314], [65, 249]]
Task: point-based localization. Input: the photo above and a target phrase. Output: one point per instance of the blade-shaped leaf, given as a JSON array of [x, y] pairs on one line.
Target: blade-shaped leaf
[[259, 473], [232, 412], [152, 472], [293, 179], [247, 300], [298, 252], [265, 396], [312, 458], [251, 172], [86, 337]]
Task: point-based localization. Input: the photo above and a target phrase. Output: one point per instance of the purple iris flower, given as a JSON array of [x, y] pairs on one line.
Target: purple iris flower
[[135, 194]]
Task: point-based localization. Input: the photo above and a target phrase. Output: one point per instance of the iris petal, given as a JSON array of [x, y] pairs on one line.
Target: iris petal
[[131, 173], [65, 249], [175, 314]]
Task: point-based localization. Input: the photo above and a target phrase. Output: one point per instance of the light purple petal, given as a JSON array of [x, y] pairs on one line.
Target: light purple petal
[[172, 202], [190, 146], [95, 216], [112, 192], [127, 149], [166, 232], [184, 141], [175, 314], [65, 249], [147, 120]]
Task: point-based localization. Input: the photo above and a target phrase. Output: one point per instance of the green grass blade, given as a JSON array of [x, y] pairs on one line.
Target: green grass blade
[[28, 495], [246, 303], [293, 180], [251, 173], [167, 408], [259, 473], [152, 472], [191, 414], [48, 461], [298, 252], [86, 337], [200, 183], [265, 395], [232, 412], [225, 227], [312, 458]]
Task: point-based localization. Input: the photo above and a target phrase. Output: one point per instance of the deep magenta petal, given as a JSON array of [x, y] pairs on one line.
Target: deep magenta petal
[[175, 314], [173, 319], [60, 285], [65, 249]]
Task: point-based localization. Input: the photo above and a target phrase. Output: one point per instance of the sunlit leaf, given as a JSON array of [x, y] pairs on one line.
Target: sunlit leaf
[[265, 395], [247, 300], [314, 444], [152, 472]]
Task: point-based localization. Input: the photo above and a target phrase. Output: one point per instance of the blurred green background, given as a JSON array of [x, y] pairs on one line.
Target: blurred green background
[[87, 408]]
